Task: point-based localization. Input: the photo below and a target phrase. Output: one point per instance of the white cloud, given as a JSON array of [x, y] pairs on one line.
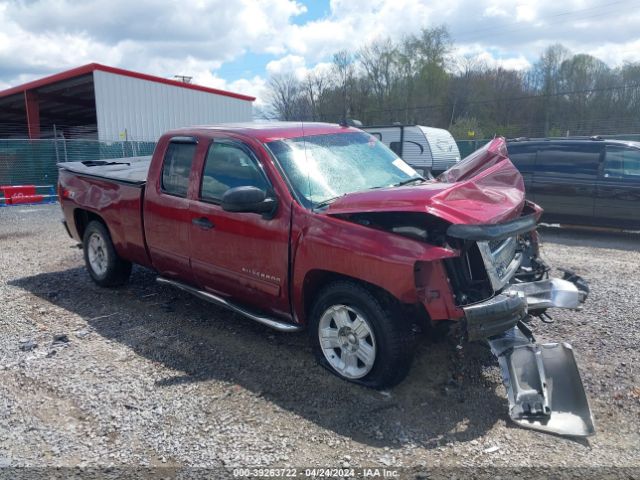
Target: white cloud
[[354, 23], [255, 87], [197, 37], [525, 13], [495, 11], [228, 27], [617, 54], [295, 64], [475, 54], [51, 35], [514, 63]]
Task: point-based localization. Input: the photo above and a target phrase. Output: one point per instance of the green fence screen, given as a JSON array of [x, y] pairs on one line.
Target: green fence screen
[[33, 162], [468, 146]]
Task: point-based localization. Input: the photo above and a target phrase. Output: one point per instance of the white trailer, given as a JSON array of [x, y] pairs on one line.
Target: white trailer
[[426, 149]]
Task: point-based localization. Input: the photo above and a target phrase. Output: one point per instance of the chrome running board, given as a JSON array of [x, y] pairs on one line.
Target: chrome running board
[[276, 324]]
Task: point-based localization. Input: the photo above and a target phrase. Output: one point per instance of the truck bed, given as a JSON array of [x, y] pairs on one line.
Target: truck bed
[[129, 170], [114, 192]]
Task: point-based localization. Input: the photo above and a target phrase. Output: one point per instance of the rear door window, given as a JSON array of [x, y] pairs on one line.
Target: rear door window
[[578, 160], [622, 162], [176, 168]]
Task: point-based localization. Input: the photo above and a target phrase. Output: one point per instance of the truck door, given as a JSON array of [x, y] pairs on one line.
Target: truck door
[[167, 220], [618, 196], [564, 180], [243, 256]]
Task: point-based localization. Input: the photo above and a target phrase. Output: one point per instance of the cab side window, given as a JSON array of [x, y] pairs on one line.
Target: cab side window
[[229, 165], [621, 162], [176, 168]]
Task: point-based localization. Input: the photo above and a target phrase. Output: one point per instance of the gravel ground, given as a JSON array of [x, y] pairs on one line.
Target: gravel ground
[[146, 375]]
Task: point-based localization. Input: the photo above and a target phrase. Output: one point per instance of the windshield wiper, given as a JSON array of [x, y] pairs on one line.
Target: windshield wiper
[[410, 180], [101, 163], [328, 201]]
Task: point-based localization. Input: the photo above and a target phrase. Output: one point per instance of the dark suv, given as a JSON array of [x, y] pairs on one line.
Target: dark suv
[[587, 181]]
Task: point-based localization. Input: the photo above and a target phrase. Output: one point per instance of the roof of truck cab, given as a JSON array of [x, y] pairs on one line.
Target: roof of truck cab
[[267, 131]]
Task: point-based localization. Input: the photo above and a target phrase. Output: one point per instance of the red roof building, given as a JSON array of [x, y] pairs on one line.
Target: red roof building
[[112, 104]]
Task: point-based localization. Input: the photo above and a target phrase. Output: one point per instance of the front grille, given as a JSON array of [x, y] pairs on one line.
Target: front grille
[[501, 259], [468, 275], [495, 244]]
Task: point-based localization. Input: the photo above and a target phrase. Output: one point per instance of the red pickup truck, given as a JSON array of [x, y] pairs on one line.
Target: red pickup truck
[[322, 226]]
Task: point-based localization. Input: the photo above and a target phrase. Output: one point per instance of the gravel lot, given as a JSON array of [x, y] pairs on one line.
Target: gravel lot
[[150, 376]]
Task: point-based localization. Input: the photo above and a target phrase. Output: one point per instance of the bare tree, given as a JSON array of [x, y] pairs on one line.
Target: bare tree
[[344, 70], [284, 96], [316, 86], [547, 78], [379, 60], [415, 80]]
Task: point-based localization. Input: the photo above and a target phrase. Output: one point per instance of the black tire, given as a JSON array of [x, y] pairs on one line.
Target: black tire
[[393, 340], [117, 270]]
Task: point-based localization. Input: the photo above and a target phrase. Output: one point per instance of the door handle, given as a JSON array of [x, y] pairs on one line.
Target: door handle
[[203, 222]]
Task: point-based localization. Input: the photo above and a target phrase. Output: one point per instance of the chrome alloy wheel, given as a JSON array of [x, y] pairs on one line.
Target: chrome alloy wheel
[[97, 253], [347, 341]]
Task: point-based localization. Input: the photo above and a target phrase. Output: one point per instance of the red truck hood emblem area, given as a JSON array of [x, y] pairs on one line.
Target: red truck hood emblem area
[[484, 188]]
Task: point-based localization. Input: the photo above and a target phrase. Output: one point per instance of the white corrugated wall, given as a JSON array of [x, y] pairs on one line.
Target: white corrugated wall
[[145, 109]]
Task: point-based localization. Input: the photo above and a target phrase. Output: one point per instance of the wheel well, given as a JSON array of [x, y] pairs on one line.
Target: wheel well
[[316, 280], [82, 218]]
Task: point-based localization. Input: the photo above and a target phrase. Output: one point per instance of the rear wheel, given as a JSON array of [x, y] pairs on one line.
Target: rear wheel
[[104, 265], [359, 337]]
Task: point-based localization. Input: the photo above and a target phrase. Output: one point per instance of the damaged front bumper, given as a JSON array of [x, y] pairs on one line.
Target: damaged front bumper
[[543, 382], [504, 311]]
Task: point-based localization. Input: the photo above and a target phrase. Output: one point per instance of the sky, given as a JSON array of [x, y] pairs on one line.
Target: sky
[[236, 44]]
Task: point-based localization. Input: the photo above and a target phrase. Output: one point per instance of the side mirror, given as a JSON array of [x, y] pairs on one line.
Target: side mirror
[[249, 200]]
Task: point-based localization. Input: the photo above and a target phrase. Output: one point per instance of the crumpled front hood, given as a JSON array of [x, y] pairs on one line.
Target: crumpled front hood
[[483, 188]]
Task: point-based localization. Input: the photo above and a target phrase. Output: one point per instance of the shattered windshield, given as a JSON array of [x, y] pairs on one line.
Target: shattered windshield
[[321, 168]]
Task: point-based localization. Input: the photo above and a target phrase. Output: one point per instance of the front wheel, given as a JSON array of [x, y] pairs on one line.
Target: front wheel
[[105, 267], [358, 337]]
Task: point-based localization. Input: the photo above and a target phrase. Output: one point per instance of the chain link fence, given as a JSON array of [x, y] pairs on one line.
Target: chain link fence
[[33, 162], [29, 162]]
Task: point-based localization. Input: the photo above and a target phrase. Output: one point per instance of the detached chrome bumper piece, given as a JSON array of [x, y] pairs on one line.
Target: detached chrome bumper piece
[[543, 383]]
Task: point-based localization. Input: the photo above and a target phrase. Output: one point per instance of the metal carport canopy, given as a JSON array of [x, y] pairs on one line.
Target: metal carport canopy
[[70, 95]]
